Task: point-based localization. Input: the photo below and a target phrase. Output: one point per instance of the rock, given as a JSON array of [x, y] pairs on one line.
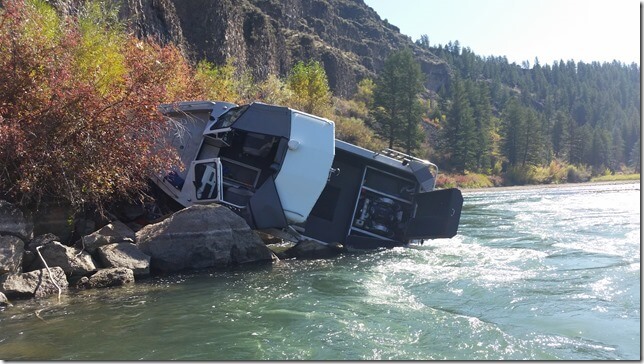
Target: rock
[[71, 260], [33, 284], [124, 255], [201, 236], [30, 256], [82, 283], [309, 249], [111, 277], [11, 253], [14, 223], [41, 240], [114, 232], [4, 301]]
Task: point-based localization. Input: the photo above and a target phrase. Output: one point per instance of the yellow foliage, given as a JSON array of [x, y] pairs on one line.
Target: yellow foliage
[[310, 89], [218, 82], [99, 57]]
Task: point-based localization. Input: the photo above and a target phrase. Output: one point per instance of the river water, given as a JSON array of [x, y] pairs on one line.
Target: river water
[[539, 273]]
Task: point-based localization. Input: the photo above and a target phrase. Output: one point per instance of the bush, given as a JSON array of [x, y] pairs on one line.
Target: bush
[[78, 118]]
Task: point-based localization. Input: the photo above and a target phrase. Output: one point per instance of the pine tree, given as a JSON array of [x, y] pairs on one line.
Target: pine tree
[[460, 130], [396, 107]]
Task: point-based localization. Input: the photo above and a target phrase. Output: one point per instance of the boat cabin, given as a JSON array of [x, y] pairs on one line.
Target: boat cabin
[[283, 171]]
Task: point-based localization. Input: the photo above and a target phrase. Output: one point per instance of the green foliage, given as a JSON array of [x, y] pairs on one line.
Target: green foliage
[[396, 108], [580, 113], [310, 88], [218, 82], [617, 177], [470, 180]]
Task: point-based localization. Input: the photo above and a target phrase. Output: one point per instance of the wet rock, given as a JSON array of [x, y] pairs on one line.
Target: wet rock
[[11, 253], [114, 232], [124, 255], [4, 301], [309, 249], [111, 277], [74, 262], [37, 284], [201, 236], [14, 223]]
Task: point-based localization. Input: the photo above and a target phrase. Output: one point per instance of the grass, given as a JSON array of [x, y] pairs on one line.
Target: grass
[[616, 177]]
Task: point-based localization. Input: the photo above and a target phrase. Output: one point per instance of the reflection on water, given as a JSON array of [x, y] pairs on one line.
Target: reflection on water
[[542, 274]]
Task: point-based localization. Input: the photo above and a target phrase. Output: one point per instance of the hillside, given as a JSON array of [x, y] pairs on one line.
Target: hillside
[[583, 114], [269, 36]]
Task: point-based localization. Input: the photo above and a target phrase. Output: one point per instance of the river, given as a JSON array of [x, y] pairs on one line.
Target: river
[[538, 274]]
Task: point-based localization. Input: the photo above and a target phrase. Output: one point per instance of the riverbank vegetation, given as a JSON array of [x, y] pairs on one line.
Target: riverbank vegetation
[[79, 120]]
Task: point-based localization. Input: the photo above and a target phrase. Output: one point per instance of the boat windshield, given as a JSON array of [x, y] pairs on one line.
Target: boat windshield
[[229, 117]]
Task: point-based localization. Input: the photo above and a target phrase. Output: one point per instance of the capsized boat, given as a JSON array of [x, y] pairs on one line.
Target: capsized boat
[[284, 172]]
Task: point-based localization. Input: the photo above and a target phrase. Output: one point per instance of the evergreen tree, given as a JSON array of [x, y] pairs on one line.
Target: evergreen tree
[[460, 130], [397, 109]]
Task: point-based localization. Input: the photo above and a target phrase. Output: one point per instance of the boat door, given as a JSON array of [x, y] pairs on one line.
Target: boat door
[[206, 178], [437, 215]]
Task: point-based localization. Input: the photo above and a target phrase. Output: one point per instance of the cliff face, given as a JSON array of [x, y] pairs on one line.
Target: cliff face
[[269, 36]]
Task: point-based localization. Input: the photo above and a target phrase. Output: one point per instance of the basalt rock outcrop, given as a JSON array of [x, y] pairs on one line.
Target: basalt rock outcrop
[[269, 36], [201, 236]]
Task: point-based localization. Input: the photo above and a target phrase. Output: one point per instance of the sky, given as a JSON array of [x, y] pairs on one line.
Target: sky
[[550, 30]]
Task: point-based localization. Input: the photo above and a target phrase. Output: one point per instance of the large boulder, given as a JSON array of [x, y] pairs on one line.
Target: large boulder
[[74, 262], [124, 255], [114, 232], [14, 223], [33, 284], [110, 277], [201, 236], [11, 252]]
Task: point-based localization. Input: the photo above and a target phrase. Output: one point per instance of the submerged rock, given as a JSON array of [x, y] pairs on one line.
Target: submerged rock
[[309, 249], [37, 283], [124, 255], [110, 277], [201, 236]]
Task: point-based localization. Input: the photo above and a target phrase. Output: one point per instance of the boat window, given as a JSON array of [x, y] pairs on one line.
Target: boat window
[[229, 117]]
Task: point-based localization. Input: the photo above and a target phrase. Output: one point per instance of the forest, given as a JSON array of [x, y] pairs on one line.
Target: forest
[[79, 120], [526, 123]]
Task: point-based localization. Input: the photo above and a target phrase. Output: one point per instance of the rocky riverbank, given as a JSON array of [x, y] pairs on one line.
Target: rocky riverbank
[[197, 237]]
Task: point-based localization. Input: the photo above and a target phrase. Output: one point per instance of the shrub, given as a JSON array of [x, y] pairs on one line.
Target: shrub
[[78, 119]]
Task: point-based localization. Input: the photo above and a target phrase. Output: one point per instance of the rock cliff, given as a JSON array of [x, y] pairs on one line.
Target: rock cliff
[[269, 36]]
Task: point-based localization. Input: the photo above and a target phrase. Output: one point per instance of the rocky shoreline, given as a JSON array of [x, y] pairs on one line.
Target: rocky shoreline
[[194, 238]]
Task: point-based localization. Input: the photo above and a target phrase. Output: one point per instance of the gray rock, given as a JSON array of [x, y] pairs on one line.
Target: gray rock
[[41, 240], [73, 261], [14, 223], [11, 253], [125, 255], [114, 232], [201, 236], [4, 301], [111, 277], [33, 284], [308, 249]]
